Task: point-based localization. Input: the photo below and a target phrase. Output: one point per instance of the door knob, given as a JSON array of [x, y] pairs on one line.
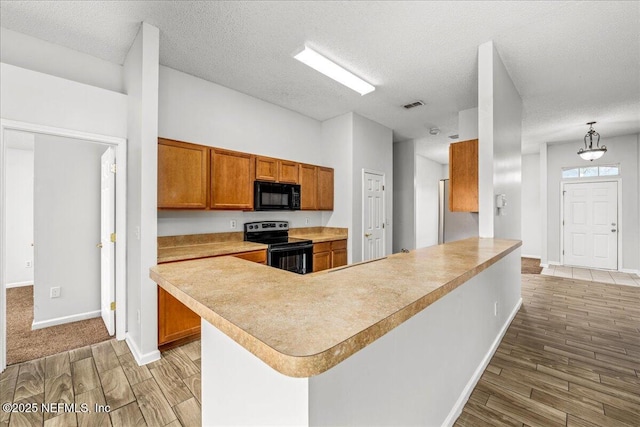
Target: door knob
[[367, 234], [99, 245]]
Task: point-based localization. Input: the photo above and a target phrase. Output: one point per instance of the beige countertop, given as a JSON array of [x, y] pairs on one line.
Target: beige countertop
[[203, 250], [194, 246], [302, 325]]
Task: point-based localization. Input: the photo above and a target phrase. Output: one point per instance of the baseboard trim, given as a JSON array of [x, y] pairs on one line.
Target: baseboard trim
[[466, 392], [530, 256], [141, 359], [65, 319], [630, 271], [18, 284]]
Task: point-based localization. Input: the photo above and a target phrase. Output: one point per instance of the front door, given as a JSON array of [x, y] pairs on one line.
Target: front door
[[373, 216], [107, 239], [591, 224]]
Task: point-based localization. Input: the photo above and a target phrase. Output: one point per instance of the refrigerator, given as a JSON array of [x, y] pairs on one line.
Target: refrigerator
[[454, 225]]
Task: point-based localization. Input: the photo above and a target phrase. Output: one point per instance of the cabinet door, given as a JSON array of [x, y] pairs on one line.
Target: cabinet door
[[308, 187], [321, 261], [288, 172], [256, 256], [338, 253], [325, 189], [183, 175], [231, 180], [175, 320], [463, 176], [266, 169]]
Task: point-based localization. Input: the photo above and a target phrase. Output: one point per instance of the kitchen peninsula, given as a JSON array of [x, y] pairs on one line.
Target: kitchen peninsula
[[400, 340]]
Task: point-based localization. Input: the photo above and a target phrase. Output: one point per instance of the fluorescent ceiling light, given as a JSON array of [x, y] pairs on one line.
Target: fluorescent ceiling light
[[330, 69]]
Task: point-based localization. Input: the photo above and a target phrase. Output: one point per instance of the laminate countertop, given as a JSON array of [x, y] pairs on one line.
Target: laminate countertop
[[194, 246], [303, 325]]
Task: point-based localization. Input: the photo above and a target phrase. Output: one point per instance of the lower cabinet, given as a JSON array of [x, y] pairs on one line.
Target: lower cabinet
[[329, 255], [177, 324]]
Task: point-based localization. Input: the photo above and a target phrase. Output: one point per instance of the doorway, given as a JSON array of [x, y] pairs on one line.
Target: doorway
[[373, 227], [77, 142], [590, 223]]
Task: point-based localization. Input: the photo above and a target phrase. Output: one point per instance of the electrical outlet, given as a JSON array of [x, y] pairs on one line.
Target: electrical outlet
[[29, 264], [306, 220], [55, 292], [233, 224], [495, 308]]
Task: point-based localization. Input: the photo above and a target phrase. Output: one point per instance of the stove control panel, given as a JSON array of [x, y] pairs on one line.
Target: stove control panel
[[266, 226]]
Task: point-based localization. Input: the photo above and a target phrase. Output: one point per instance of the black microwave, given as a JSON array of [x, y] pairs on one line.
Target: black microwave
[[273, 196]]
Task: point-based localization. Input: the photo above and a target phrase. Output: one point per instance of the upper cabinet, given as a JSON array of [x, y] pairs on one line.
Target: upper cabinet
[[192, 176], [463, 176], [325, 189], [183, 175], [231, 180], [276, 170], [266, 169], [308, 187]]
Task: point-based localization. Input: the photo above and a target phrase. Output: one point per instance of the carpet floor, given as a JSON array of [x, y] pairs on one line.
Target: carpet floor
[[531, 266], [24, 344]]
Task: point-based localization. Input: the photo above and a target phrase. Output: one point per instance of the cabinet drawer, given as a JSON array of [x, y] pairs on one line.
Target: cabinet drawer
[[339, 244], [321, 247], [255, 256]]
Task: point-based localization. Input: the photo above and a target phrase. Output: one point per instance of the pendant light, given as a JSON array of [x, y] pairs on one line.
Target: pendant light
[[589, 152]]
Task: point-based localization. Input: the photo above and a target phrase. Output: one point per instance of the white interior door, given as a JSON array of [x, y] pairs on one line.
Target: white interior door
[[591, 224], [373, 216], [107, 243]]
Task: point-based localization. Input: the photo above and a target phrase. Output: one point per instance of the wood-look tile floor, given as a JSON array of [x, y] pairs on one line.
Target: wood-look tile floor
[[571, 357], [162, 393]]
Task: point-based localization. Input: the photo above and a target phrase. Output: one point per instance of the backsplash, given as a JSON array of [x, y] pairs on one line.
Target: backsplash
[[179, 222]]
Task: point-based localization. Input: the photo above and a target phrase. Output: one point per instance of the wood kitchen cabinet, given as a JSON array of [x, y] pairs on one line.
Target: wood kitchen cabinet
[[463, 176], [232, 176], [325, 189], [276, 170], [183, 175], [177, 324], [308, 187], [328, 255]]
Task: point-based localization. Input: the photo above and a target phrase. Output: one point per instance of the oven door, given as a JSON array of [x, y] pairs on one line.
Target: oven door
[[294, 258]]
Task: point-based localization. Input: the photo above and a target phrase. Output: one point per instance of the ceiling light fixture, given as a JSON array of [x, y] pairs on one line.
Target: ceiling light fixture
[[434, 131], [330, 69], [589, 152]]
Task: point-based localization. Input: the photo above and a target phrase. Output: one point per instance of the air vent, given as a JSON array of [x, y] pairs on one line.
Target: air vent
[[413, 105], [456, 136]]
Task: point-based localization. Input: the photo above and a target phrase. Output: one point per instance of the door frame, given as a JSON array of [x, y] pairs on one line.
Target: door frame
[[120, 145], [619, 222], [384, 211]]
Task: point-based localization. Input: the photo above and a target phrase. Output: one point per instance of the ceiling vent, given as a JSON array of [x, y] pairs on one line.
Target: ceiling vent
[[456, 136], [413, 105]]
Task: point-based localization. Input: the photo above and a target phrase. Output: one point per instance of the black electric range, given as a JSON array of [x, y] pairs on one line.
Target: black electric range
[[284, 252]]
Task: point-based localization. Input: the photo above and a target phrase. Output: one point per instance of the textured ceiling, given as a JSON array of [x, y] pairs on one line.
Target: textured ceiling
[[572, 62]]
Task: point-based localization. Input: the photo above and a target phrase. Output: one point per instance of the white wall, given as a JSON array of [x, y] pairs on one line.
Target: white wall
[[33, 97], [622, 150], [19, 208], [34, 54], [500, 142], [404, 231], [198, 111], [468, 124], [531, 224], [337, 139], [372, 150], [66, 229], [141, 82], [427, 176]]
